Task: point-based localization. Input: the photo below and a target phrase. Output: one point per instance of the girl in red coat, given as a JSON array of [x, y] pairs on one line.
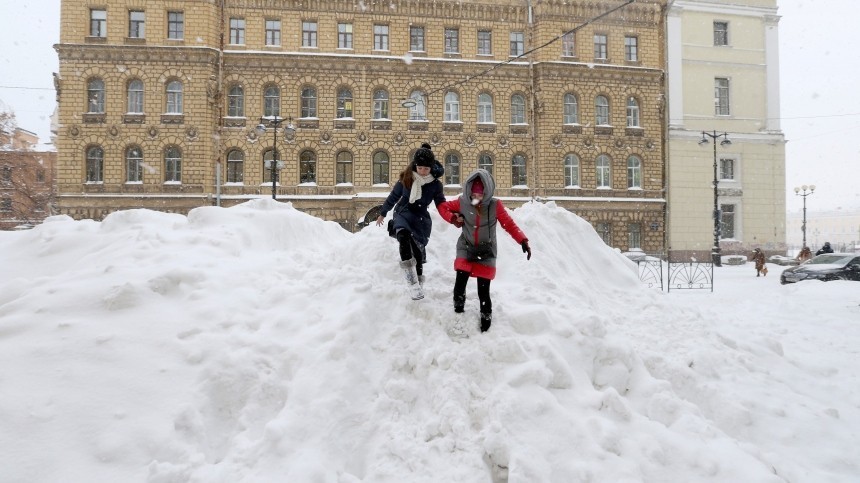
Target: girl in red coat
[[477, 213]]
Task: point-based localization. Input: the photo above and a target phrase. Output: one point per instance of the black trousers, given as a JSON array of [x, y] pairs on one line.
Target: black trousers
[[483, 290], [410, 249]]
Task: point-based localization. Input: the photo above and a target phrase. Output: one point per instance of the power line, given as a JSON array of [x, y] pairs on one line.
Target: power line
[[28, 88]]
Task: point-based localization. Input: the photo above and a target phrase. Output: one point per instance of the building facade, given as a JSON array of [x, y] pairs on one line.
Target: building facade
[[723, 69], [159, 101], [27, 192], [840, 227]]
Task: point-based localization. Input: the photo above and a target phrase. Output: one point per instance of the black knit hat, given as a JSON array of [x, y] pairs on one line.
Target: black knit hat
[[423, 157]]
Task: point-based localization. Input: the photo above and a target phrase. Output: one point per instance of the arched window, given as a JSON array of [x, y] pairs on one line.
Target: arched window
[[135, 96], [343, 174], [571, 109], [518, 109], [380, 167], [571, 170], [95, 164], [134, 165], [172, 164], [380, 104], [174, 97], [309, 102], [519, 177], [601, 110], [235, 166], [96, 96], [485, 161], [307, 167], [634, 172], [632, 112], [272, 101], [604, 172], [485, 108], [452, 168], [452, 107], [236, 101], [269, 163], [344, 103], [418, 112]]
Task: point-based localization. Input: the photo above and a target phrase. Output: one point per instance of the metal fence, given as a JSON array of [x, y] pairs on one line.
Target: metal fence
[[678, 275]]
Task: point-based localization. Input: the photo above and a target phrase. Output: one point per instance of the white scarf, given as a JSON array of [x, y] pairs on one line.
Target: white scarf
[[417, 182]]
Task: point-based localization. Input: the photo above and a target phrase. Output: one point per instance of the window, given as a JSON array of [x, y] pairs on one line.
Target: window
[[172, 165], [604, 229], [95, 164], [175, 25], [418, 112], [273, 32], [452, 41], [380, 167], [601, 47], [344, 103], [568, 45], [380, 37], [631, 49], [485, 161], [307, 167], [380, 104], [727, 169], [272, 101], [485, 42], [136, 24], [6, 177], [309, 34], [237, 31], [571, 170], [518, 170], [721, 33], [518, 109], [343, 173], [721, 96], [632, 112], [309, 102], [518, 44], [96, 96], [601, 110], [727, 221], [6, 204], [571, 109], [485, 108], [269, 172], [452, 107], [416, 39], [40, 175], [452, 168], [98, 23], [236, 102], [634, 235], [634, 173], [134, 165], [135, 96], [235, 166], [604, 178], [174, 97], [344, 35]]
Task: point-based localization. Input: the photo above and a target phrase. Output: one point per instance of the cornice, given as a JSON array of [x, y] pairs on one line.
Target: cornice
[[128, 53], [487, 10]]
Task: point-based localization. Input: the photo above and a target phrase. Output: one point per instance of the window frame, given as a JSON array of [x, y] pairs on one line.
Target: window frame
[[343, 167], [134, 97], [721, 35], [601, 46], [96, 96], [634, 235], [235, 166], [345, 104], [603, 172], [98, 23], [309, 101], [380, 167], [95, 165], [452, 40], [568, 44], [172, 164], [134, 174], [727, 164], [310, 34], [518, 109], [517, 43], [136, 27], [237, 31], [174, 97], [418, 112], [728, 221], [344, 35], [485, 161], [519, 170], [307, 166], [485, 108], [634, 172], [566, 113], [631, 48], [633, 112], [381, 104], [722, 96], [485, 42], [452, 168], [236, 101], [602, 111], [381, 37], [416, 38], [272, 28], [272, 101], [452, 107], [176, 25], [572, 164]]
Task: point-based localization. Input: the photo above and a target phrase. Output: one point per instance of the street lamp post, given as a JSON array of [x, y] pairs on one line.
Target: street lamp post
[[804, 194], [275, 164], [715, 251]]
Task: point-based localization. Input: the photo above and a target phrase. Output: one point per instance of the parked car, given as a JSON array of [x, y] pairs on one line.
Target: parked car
[[781, 260], [826, 267]]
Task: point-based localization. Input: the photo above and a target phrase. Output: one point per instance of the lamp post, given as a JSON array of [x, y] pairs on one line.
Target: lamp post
[[804, 194], [274, 164], [715, 251]]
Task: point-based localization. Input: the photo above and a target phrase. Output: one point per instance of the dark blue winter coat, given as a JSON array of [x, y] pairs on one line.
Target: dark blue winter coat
[[414, 216]]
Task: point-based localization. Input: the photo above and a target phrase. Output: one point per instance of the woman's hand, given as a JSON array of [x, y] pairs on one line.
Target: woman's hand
[[379, 220]]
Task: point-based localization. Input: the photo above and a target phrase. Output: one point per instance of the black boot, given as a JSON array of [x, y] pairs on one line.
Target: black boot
[[486, 320], [459, 303]]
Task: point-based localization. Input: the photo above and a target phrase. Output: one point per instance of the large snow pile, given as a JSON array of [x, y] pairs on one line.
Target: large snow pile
[[258, 344]]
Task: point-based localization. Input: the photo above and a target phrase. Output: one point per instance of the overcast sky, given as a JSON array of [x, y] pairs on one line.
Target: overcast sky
[[818, 63]]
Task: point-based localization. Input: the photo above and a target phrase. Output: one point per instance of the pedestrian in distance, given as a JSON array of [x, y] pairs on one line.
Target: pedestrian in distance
[[758, 258], [825, 249], [477, 213], [804, 255], [416, 189]]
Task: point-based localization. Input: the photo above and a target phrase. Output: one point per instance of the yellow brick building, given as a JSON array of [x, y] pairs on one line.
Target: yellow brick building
[[159, 101]]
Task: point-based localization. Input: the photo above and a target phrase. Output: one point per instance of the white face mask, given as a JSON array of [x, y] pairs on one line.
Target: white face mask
[[475, 201]]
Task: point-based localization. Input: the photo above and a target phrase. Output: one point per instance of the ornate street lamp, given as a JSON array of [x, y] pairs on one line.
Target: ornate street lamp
[[804, 194], [275, 164], [715, 251]]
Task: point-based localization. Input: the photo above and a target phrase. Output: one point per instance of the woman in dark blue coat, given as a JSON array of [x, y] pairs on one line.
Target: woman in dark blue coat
[[417, 187]]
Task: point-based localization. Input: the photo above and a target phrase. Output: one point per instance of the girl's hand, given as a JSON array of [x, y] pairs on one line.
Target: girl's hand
[[379, 220]]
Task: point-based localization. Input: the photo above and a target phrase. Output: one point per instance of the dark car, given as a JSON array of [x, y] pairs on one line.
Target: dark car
[[826, 267]]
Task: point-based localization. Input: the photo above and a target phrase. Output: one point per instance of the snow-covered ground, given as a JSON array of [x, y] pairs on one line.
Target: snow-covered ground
[[260, 344]]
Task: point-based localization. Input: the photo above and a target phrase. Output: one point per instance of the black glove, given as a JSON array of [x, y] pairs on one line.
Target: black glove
[[526, 249]]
